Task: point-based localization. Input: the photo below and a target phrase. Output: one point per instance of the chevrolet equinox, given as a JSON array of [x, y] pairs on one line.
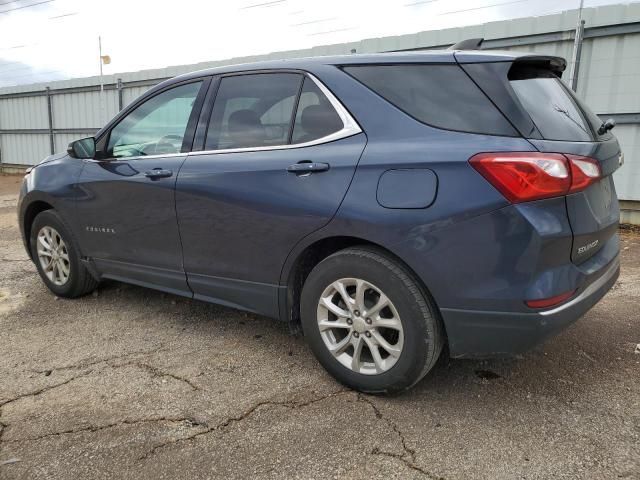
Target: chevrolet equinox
[[389, 205]]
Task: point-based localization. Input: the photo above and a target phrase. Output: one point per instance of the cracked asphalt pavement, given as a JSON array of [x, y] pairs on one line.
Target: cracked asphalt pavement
[[132, 383]]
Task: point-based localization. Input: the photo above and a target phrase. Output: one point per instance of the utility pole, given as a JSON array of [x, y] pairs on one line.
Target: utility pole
[[104, 60], [577, 49], [102, 115]]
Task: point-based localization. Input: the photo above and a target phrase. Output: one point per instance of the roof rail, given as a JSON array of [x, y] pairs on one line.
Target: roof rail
[[468, 44]]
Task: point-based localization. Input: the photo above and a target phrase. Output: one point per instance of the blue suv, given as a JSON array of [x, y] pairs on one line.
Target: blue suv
[[388, 205]]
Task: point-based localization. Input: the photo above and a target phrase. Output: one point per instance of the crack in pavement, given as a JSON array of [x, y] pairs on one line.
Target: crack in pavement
[[406, 462], [3, 427], [408, 457], [97, 428], [156, 372], [149, 368], [184, 419], [33, 394], [43, 389], [84, 364], [247, 413]]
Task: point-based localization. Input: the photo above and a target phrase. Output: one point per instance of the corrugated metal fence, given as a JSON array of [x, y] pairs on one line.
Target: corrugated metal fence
[[36, 120], [34, 124]]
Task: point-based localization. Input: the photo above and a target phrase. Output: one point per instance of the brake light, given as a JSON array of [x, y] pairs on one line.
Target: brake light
[[551, 301], [526, 176]]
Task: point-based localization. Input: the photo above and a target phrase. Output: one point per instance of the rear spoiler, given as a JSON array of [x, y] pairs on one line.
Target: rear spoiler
[[523, 65], [557, 65]]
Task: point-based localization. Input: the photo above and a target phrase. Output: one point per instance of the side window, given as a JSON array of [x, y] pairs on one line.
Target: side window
[[316, 117], [253, 111], [442, 96], [157, 126]]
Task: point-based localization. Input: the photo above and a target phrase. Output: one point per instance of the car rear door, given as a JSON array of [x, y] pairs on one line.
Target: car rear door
[[278, 157]]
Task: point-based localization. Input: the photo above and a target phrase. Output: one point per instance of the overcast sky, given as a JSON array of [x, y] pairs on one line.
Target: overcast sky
[[42, 40]]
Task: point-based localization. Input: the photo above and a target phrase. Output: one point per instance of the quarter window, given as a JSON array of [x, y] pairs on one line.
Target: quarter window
[[157, 126], [316, 117]]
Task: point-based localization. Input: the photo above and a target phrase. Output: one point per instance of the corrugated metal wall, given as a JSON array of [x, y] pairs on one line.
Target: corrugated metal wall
[[627, 179], [609, 81], [76, 111], [130, 94], [82, 109], [22, 113], [25, 148]]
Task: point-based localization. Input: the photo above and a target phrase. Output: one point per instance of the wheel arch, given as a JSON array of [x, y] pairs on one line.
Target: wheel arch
[[312, 254], [29, 213]]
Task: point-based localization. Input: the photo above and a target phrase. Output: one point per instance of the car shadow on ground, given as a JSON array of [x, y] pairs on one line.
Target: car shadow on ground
[[565, 364]]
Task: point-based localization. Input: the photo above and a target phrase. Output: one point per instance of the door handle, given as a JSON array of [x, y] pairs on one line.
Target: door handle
[[307, 167], [158, 173]]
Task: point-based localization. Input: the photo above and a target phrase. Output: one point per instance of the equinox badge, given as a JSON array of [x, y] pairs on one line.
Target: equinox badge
[[587, 247]]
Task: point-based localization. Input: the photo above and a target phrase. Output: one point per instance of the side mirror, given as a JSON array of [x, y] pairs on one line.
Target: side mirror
[[83, 148]]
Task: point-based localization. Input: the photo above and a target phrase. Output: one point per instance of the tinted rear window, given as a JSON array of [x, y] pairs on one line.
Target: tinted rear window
[[442, 96], [554, 109]]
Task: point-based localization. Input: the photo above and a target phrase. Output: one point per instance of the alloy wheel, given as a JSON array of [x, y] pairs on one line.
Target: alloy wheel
[[360, 326], [53, 256]]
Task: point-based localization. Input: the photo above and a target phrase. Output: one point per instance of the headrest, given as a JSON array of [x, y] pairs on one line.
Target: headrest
[[241, 119], [319, 120]]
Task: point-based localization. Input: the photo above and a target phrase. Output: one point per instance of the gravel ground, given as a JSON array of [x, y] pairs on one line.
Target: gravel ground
[[132, 383]]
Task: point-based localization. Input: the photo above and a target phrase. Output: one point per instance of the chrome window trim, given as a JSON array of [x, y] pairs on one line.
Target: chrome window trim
[[349, 128], [139, 157]]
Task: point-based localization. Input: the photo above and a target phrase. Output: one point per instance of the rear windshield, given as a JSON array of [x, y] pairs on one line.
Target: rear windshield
[[555, 110], [439, 95]]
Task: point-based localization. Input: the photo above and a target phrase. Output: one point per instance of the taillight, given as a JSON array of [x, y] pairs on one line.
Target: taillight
[[584, 172], [526, 176]]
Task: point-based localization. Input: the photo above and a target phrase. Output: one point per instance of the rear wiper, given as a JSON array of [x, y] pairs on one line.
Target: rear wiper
[[606, 126], [565, 112]]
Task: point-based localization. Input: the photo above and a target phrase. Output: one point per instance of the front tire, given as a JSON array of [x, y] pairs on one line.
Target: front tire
[[57, 257], [369, 322]]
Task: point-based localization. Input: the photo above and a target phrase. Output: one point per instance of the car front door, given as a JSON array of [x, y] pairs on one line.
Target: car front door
[[126, 208], [279, 154]]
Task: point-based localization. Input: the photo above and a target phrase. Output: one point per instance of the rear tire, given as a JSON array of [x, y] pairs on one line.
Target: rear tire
[[56, 255], [386, 310]]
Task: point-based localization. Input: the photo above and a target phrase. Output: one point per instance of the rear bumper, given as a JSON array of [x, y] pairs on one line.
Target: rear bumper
[[475, 333]]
